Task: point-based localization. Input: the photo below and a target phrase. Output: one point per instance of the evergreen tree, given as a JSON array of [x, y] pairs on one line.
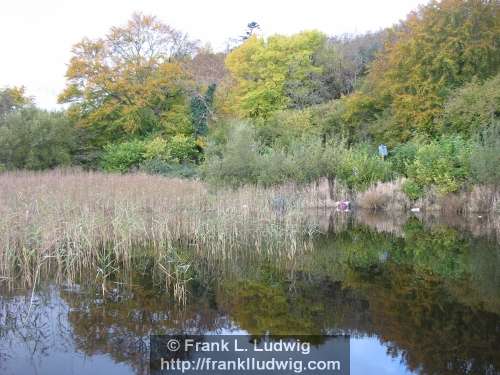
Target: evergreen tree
[[201, 108]]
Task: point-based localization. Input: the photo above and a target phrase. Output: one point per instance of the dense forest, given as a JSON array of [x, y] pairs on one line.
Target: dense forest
[[145, 97]]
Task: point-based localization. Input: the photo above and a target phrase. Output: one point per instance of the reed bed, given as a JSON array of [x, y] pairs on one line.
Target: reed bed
[[76, 220], [389, 196], [384, 196]]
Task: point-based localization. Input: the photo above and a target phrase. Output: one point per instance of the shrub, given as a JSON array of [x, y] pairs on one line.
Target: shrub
[[485, 156], [35, 139], [402, 156], [243, 160], [358, 168], [443, 163], [274, 167], [331, 118], [156, 149], [283, 127], [169, 169], [235, 162], [373, 199], [327, 120], [306, 158], [182, 148], [121, 157], [413, 190], [472, 107]]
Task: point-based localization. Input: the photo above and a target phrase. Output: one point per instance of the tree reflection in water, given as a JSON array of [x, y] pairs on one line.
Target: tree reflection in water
[[430, 294]]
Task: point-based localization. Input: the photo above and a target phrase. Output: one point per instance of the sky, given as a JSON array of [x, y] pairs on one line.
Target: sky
[[36, 36]]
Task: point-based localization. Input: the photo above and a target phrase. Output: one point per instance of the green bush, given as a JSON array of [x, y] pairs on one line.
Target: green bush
[[307, 159], [234, 162], [169, 169], [156, 148], [283, 127], [242, 160], [402, 156], [359, 168], [36, 139], [323, 120], [330, 120], [182, 148], [302, 162], [412, 189], [472, 107], [274, 167], [485, 156], [121, 157], [444, 163]]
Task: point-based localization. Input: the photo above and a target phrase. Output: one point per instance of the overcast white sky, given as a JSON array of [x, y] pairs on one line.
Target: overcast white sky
[[36, 35]]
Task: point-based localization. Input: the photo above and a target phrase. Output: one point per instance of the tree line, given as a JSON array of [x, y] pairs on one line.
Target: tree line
[[146, 96]]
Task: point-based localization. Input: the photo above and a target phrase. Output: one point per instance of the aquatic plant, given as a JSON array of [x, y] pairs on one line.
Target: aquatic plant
[[91, 220]]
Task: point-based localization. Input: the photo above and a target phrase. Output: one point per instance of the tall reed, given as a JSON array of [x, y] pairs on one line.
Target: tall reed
[[72, 220]]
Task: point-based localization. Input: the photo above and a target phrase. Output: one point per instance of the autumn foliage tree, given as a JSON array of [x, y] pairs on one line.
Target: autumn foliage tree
[[273, 74], [12, 99], [436, 50], [131, 82]]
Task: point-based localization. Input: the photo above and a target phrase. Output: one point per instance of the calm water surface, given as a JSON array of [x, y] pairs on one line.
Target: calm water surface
[[416, 298]]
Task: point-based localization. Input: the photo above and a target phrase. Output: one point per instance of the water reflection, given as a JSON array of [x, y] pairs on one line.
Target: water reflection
[[416, 296]]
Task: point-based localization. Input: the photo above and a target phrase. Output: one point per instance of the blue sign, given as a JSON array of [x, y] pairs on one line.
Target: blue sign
[[382, 150]]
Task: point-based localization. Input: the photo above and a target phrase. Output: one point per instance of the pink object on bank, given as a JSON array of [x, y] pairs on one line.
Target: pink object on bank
[[343, 205]]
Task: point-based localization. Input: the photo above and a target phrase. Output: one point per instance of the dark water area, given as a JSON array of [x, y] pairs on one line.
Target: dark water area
[[416, 297]]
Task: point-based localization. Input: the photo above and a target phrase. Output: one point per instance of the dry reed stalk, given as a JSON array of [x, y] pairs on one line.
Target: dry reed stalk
[[384, 196], [73, 217]]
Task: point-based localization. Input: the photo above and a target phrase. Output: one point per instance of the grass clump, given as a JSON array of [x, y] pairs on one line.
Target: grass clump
[[384, 196]]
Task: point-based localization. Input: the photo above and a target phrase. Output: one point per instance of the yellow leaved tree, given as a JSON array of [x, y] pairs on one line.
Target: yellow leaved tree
[[273, 74], [434, 51], [131, 82]]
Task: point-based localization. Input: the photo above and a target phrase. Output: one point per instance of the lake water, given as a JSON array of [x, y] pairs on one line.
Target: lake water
[[416, 297]]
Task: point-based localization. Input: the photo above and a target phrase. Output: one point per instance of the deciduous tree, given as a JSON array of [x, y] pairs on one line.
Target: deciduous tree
[[437, 49], [131, 81], [273, 74], [12, 99]]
